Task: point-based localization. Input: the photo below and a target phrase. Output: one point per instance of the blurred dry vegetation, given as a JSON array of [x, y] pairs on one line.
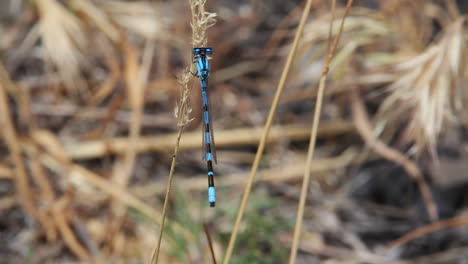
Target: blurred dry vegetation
[[88, 90]]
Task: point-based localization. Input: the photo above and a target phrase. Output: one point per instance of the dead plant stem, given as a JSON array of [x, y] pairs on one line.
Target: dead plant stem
[[210, 242], [9, 133], [313, 137], [460, 221], [155, 256], [266, 131]]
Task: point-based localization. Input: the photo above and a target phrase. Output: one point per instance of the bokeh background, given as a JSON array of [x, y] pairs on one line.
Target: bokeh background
[[88, 90]]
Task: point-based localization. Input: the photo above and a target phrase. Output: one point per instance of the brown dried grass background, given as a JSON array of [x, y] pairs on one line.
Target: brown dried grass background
[[88, 90]]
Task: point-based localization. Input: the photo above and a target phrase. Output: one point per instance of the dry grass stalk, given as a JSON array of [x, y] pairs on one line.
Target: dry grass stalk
[[201, 21], [453, 255], [363, 28], [315, 245], [102, 92], [330, 30], [182, 114], [40, 176], [21, 95], [135, 82], [266, 131], [45, 191], [313, 134], [46, 194], [429, 93], [99, 17], [64, 40], [110, 17], [460, 221], [55, 159], [60, 216], [139, 17], [22, 182], [361, 25], [7, 202], [6, 173], [365, 129], [191, 140], [210, 243], [135, 85], [415, 27], [290, 173]]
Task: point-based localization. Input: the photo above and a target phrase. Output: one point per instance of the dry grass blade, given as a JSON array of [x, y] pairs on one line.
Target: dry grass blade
[[332, 19], [103, 90], [88, 93], [60, 216], [6, 173], [191, 140], [210, 243], [55, 159], [7, 203], [21, 95], [310, 244], [365, 129], [135, 91], [266, 131], [429, 92], [21, 179], [182, 113], [46, 194], [64, 40], [453, 255], [313, 135], [138, 17], [98, 17], [290, 173], [135, 82], [461, 221], [24, 187]]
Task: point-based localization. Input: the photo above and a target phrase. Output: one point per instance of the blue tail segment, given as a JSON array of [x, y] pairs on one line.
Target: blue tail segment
[[212, 196], [203, 73]]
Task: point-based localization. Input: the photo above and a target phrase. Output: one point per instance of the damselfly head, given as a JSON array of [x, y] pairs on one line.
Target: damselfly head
[[202, 51]]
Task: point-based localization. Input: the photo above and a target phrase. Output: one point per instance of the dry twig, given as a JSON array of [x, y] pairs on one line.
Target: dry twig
[[430, 228], [234, 137], [365, 129]]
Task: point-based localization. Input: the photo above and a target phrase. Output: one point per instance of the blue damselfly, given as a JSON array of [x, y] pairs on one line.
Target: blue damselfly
[[209, 151]]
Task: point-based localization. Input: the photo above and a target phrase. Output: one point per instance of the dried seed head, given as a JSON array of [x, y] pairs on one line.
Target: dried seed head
[[426, 96]]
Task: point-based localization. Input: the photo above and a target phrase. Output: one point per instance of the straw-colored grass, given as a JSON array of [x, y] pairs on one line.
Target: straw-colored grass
[[313, 134], [266, 131], [429, 93], [64, 39], [245, 136], [87, 98]]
